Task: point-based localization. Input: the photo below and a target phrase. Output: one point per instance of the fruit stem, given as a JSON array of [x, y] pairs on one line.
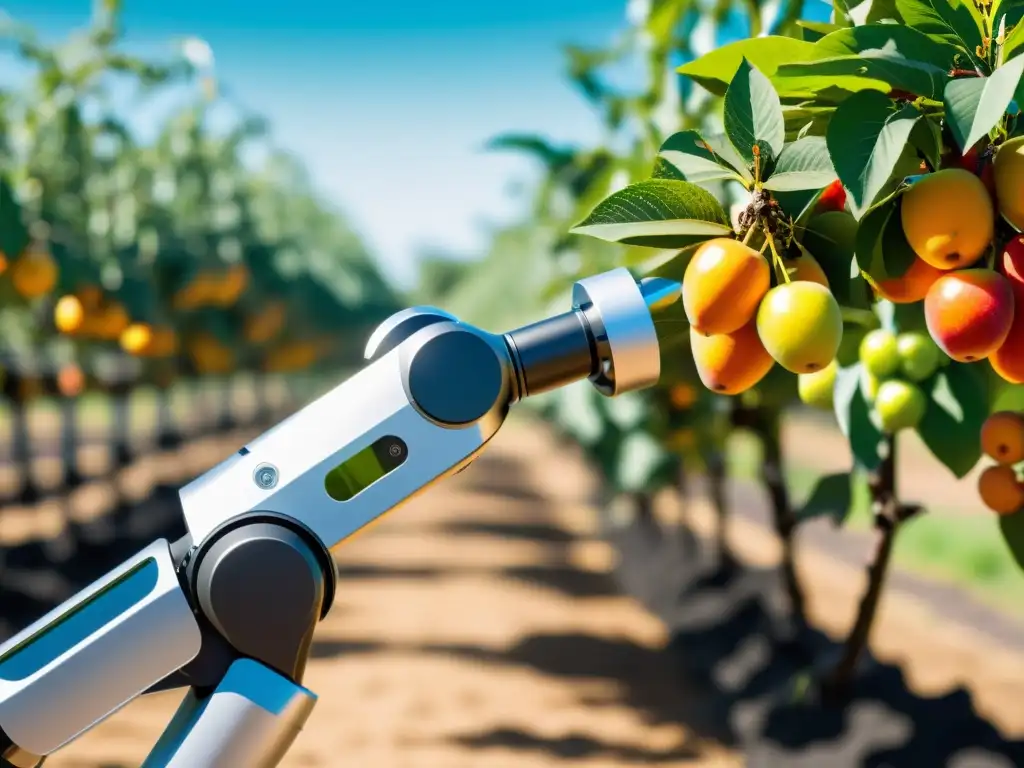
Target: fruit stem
[[775, 255], [889, 515], [749, 234]]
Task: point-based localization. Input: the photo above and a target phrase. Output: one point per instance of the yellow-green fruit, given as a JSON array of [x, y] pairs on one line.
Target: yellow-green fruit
[[815, 389], [869, 384], [801, 326], [879, 353], [948, 218], [900, 405], [1008, 172]]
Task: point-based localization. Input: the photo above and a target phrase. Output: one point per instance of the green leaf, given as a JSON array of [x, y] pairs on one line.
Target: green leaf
[[753, 113], [831, 238], [927, 139], [866, 138], [815, 30], [957, 409], [657, 213], [1012, 528], [804, 164], [642, 464], [715, 70], [947, 20], [806, 121], [975, 105], [854, 417], [663, 169], [694, 160], [882, 64], [576, 410], [723, 148], [868, 245], [14, 235], [910, 43], [832, 495], [897, 255], [1014, 42], [669, 263]]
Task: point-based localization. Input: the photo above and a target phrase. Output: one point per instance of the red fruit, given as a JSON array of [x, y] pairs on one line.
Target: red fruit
[[1011, 264], [1008, 360], [969, 313], [981, 166], [833, 198]]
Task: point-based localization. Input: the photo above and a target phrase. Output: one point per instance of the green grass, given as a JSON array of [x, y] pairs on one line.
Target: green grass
[[958, 547]]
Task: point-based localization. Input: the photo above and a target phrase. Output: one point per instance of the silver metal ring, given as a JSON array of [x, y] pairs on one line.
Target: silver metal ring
[[632, 340]]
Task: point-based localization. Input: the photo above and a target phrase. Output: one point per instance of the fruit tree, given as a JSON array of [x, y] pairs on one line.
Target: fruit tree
[[877, 257]]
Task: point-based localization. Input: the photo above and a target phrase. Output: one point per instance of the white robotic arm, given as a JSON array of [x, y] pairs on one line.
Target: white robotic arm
[[230, 610]]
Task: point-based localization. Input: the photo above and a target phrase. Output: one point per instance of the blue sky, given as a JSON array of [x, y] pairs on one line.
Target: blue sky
[[390, 102]]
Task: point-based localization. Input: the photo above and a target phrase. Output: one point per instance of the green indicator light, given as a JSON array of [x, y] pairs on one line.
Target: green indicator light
[[362, 470]]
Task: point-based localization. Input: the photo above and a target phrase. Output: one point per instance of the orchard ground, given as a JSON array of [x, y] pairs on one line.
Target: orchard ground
[[957, 541], [481, 625]]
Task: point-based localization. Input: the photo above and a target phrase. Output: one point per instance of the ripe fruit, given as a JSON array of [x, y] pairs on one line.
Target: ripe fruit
[[723, 284], [899, 405], [1008, 169], [912, 285], [70, 380], [730, 363], [1008, 360], [68, 314], [1002, 437], [919, 357], [948, 218], [969, 313], [879, 353], [682, 396], [1000, 490], [1011, 264], [35, 273], [136, 338], [801, 326], [815, 389], [981, 166], [805, 267], [833, 198]]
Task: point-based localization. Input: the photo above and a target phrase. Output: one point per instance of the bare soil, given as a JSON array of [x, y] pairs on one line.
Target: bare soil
[[480, 625], [477, 626]]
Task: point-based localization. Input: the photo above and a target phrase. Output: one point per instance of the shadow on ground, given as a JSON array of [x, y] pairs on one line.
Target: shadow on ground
[[722, 674], [724, 621]]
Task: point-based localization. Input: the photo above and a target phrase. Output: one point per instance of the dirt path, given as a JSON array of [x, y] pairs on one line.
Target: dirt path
[[478, 626]]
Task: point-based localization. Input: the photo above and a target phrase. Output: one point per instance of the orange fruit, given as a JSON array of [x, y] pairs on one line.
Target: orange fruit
[[1000, 490], [723, 286]]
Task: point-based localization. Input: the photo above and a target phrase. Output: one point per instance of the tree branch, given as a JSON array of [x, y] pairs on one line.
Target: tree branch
[[889, 516], [765, 424]]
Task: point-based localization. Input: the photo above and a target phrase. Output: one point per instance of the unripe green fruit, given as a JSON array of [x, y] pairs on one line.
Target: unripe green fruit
[[899, 405], [879, 353], [919, 355]]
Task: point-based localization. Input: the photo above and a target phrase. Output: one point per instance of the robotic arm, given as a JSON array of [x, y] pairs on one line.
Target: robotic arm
[[229, 611]]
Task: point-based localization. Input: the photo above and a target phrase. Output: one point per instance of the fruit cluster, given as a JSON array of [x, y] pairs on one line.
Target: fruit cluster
[[949, 219], [893, 368], [1002, 439], [740, 325]]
